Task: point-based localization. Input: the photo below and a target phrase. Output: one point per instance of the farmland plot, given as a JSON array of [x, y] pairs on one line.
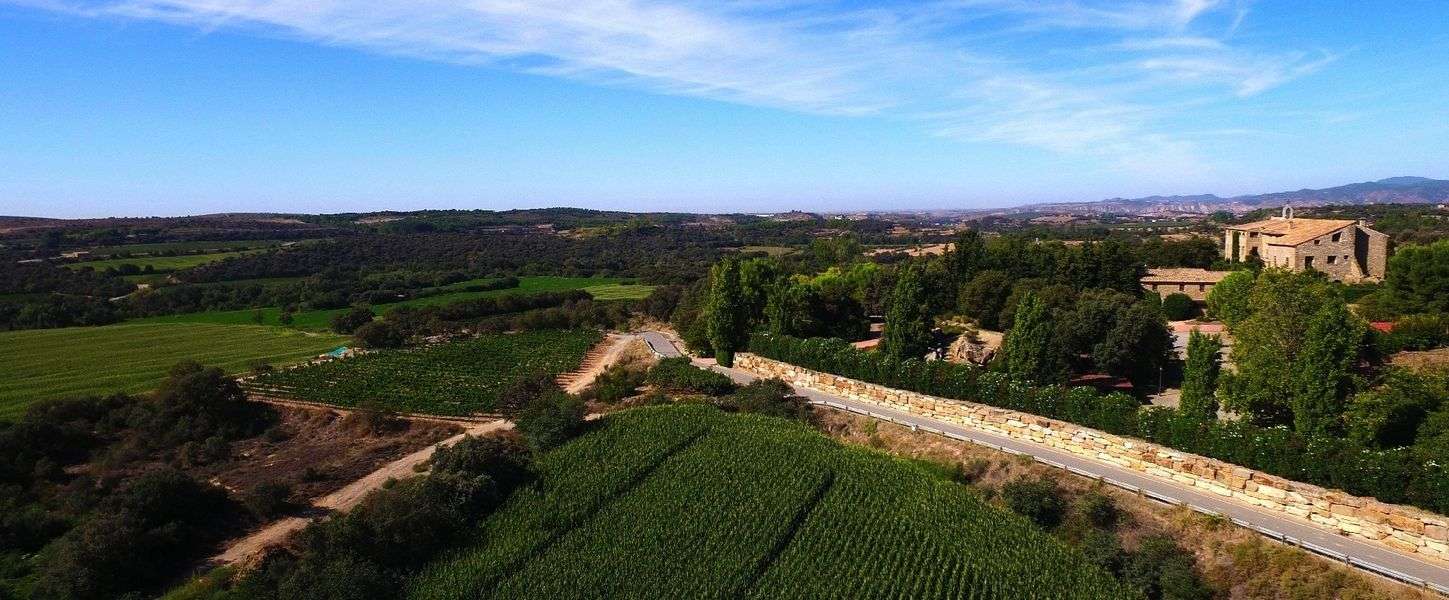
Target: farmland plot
[[456, 378], [42, 364], [687, 501]]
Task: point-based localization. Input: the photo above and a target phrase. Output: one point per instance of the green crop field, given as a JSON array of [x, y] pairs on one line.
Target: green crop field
[[618, 291], [455, 378], [161, 263], [691, 502], [54, 363], [317, 320]]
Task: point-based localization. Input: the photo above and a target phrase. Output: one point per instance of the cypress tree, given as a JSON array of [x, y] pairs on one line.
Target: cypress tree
[[908, 323], [1323, 374], [1200, 376], [724, 314], [1029, 350]]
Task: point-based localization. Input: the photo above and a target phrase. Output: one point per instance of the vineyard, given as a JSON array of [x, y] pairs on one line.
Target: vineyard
[[42, 364], [687, 501], [603, 288], [456, 378]]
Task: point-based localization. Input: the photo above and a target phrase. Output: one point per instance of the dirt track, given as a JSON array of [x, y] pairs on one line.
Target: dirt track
[[347, 497]]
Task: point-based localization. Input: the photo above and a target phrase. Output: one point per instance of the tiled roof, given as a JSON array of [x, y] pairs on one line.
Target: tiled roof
[[1183, 275], [1291, 232]]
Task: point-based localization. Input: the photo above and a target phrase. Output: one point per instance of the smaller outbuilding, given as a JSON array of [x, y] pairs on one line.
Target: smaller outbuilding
[[1195, 283]]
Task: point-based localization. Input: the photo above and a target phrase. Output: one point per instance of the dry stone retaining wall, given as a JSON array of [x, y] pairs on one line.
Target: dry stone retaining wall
[[1404, 528]]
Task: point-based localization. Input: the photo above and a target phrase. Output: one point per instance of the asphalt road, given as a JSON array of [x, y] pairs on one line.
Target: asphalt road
[[1362, 554]]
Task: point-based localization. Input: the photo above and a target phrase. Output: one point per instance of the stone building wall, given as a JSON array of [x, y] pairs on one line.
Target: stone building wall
[[1401, 527], [1336, 259]]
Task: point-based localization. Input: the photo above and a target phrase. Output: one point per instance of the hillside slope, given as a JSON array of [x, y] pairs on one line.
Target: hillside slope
[[687, 501]]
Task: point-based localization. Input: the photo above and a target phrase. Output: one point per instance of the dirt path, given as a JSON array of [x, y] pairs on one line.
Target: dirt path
[[347, 497], [598, 359]]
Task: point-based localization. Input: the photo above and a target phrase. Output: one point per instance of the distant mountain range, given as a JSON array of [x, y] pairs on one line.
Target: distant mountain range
[[1394, 190]]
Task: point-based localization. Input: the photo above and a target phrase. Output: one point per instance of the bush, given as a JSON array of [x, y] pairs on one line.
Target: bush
[[614, 384], [268, 500], [550, 419], [1098, 510], [1178, 307], [503, 461], [679, 375], [349, 321], [378, 334], [1037, 500], [1102, 549], [771, 397], [1161, 569], [136, 539]]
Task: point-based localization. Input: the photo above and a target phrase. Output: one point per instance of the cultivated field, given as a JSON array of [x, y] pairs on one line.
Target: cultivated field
[[610, 288], [52, 363], [689, 502], [456, 378], [161, 263]]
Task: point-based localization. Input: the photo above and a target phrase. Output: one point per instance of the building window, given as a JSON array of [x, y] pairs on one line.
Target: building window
[[1201, 287], [1315, 242], [1338, 236], [1333, 260], [1180, 287], [1308, 262]]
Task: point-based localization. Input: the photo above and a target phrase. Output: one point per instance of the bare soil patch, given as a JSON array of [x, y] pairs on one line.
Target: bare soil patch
[[318, 451]]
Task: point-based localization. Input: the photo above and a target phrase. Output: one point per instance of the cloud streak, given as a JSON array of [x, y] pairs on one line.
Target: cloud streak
[[941, 64]]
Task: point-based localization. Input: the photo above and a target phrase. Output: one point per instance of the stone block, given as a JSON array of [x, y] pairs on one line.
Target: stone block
[[1436, 532], [1401, 522], [1342, 509]]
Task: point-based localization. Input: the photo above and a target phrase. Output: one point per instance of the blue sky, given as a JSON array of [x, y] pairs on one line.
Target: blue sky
[[164, 107]]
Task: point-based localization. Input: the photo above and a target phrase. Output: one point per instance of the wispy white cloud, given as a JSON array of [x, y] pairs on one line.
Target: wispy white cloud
[[918, 62]]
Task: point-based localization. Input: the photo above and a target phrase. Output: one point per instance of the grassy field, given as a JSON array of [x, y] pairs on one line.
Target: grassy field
[[161, 263], [690, 502], [457, 378], [52, 363], [316, 320]]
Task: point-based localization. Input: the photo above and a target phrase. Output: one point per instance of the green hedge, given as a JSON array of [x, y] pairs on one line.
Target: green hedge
[[1389, 475]]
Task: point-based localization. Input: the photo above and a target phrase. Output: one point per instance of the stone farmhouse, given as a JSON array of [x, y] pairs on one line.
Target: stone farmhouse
[[1343, 249], [1195, 283]]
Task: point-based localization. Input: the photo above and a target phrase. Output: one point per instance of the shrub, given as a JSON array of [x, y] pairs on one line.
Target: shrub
[[349, 321], [614, 384], [1037, 500], [268, 500], [1098, 510], [771, 397], [378, 334], [1161, 569], [1102, 549], [503, 461], [1178, 307], [678, 375], [550, 419], [135, 539]]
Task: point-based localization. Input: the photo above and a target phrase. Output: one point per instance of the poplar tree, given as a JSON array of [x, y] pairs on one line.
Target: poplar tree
[[724, 315], [908, 323], [1323, 376], [1030, 350], [1200, 376]]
